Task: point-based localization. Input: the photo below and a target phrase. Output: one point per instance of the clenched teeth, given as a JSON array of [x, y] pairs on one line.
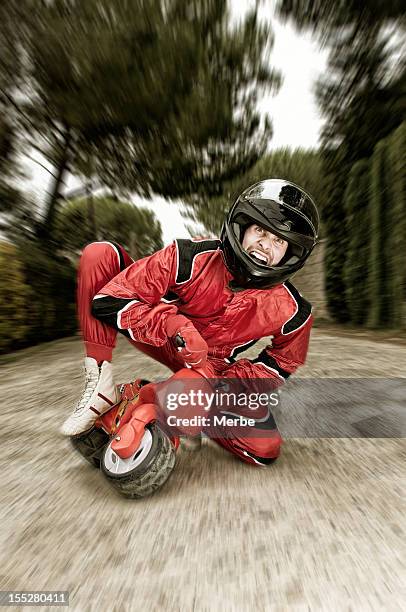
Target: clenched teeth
[[259, 256]]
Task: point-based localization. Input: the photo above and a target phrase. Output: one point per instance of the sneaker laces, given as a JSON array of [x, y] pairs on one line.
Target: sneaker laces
[[92, 378]]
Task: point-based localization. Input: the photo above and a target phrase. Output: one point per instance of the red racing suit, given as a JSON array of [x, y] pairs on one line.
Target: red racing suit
[[190, 278]]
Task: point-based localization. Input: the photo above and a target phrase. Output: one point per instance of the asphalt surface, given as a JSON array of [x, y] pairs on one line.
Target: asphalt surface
[[321, 529]]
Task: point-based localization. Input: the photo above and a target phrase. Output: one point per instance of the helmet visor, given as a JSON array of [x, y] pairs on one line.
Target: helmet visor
[[274, 218], [290, 199]]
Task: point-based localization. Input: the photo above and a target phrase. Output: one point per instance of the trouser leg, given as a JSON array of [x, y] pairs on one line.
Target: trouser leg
[[99, 263]]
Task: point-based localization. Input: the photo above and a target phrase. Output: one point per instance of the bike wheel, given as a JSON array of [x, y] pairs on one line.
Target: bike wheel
[[90, 445], [144, 472]]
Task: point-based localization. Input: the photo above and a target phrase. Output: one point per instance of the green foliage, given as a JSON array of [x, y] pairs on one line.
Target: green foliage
[[15, 16], [37, 288], [360, 92], [356, 266], [360, 98], [13, 298], [359, 110], [136, 229], [10, 197], [334, 262], [15, 208], [50, 308], [336, 232], [388, 237], [324, 17], [379, 294], [396, 250], [375, 200], [144, 96]]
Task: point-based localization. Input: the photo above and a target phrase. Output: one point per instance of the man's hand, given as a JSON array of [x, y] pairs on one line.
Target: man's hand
[[191, 346]]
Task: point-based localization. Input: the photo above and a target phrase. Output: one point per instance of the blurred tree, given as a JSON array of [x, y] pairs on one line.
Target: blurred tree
[[358, 213], [145, 95], [13, 298], [49, 311], [10, 197], [324, 17], [387, 286], [397, 237], [379, 281], [361, 98], [216, 133], [300, 166], [136, 229], [16, 21]]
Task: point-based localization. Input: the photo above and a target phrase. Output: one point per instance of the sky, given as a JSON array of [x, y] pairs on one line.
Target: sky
[[295, 118]]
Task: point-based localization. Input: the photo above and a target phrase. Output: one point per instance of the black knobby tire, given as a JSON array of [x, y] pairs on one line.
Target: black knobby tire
[[91, 444], [149, 475]]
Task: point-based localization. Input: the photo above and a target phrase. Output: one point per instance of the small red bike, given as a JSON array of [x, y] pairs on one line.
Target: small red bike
[[134, 450]]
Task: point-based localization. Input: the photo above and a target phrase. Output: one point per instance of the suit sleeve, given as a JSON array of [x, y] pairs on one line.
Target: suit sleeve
[[137, 302], [277, 361]]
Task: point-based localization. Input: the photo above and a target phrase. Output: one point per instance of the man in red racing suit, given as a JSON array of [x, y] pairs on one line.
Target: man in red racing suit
[[189, 284]]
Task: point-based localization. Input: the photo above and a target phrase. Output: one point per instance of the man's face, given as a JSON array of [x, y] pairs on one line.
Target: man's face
[[263, 246]]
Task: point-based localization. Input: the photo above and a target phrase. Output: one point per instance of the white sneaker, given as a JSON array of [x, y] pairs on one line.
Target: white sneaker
[[99, 395]]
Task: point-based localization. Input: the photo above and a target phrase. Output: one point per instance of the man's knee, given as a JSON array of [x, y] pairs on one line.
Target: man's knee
[[96, 252], [263, 451], [258, 451], [109, 255]]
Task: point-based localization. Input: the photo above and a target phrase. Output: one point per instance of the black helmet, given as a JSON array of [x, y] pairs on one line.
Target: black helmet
[[282, 208]]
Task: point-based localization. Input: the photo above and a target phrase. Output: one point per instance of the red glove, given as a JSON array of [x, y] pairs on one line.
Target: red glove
[[191, 346]]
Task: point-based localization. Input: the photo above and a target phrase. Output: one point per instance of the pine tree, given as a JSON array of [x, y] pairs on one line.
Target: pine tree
[[359, 97], [144, 96]]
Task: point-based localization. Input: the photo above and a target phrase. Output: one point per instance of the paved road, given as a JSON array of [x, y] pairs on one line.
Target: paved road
[[321, 529]]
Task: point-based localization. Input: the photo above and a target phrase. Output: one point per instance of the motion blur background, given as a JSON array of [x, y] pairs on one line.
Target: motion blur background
[[140, 120]]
